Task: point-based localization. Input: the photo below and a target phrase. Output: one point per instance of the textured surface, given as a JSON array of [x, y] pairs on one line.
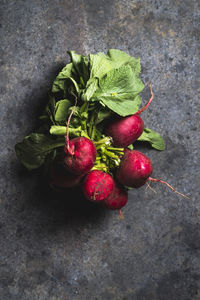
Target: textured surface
[[59, 247]]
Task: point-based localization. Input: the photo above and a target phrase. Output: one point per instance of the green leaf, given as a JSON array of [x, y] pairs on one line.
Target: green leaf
[[61, 110], [102, 63], [119, 58], [130, 147], [77, 72], [119, 90], [99, 65], [153, 138], [59, 82], [33, 150], [80, 66], [102, 114], [92, 86], [49, 110]]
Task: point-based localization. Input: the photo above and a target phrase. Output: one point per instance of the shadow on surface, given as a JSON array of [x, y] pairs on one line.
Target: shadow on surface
[[61, 207], [142, 146], [70, 202], [66, 206]]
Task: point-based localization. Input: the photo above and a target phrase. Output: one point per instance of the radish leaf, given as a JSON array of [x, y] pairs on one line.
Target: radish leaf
[[59, 82], [33, 150], [153, 138], [61, 110], [118, 90], [80, 66], [99, 65], [119, 58]]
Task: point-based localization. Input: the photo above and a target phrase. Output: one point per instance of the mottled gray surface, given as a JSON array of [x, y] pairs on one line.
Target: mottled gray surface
[[56, 247]]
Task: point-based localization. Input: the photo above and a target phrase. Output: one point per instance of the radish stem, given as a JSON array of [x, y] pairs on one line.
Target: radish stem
[[105, 140], [67, 136], [116, 149], [150, 100]]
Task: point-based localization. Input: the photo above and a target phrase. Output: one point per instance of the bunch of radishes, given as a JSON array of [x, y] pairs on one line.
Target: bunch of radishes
[[88, 128], [132, 169]]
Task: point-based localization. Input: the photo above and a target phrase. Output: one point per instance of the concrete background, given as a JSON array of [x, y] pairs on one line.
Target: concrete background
[[60, 247]]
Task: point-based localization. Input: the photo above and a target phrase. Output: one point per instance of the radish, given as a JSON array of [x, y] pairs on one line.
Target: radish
[[126, 130], [97, 186], [61, 178], [135, 169], [117, 198], [80, 155], [80, 152]]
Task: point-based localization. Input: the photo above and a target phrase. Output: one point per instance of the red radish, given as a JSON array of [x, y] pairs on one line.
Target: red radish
[[126, 130], [61, 178], [80, 155], [117, 198], [97, 186], [80, 152], [135, 169]]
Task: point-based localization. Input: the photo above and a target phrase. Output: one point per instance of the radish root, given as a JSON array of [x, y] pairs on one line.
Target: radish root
[[148, 186], [167, 184], [121, 216]]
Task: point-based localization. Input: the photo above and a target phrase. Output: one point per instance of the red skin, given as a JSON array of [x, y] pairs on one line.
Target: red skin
[[61, 178], [97, 186], [125, 130], [117, 198], [135, 169], [81, 157]]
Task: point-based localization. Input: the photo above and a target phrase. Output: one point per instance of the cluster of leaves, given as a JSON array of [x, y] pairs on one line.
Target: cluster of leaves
[[103, 84]]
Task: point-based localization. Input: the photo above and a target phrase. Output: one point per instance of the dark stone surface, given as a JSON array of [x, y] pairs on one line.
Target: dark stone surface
[[60, 247]]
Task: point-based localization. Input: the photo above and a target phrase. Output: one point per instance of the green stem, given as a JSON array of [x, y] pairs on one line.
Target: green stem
[[98, 146], [116, 149], [110, 154], [84, 108], [82, 81], [98, 158], [91, 125], [61, 130], [83, 133], [105, 140], [84, 125], [93, 132], [102, 167]]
